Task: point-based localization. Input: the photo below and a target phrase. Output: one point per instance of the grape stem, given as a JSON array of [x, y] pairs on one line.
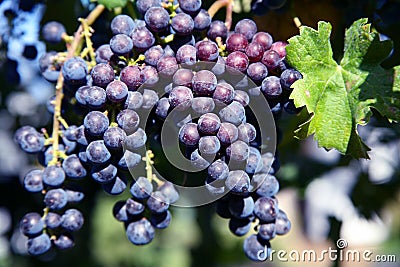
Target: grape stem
[[72, 50], [217, 5], [149, 168]]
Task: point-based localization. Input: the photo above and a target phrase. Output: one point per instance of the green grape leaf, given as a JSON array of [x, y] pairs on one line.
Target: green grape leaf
[[339, 97], [110, 4]]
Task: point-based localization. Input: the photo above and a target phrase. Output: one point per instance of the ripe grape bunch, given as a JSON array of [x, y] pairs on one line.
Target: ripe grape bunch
[[173, 62]]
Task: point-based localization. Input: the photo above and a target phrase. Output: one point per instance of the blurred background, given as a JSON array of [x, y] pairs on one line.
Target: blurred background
[[326, 195]]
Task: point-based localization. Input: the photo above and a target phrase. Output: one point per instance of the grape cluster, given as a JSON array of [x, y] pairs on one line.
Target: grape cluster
[[151, 70]]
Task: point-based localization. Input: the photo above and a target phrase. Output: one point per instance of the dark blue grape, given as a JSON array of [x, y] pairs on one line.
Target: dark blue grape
[[33, 181], [186, 54], [150, 75], [97, 152], [116, 186], [122, 24], [224, 93], [72, 220], [257, 72], [39, 245], [119, 211], [53, 176], [157, 202], [73, 167], [202, 20], [269, 185], [31, 224], [238, 182], [133, 101], [288, 77], [140, 232], [134, 207], [217, 29], [236, 42], [266, 209], [167, 65], [162, 108], [241, 97], [189, 135], [239, 227], [129, 160], [117, 91], [136, 140], [30, 141], [141, 188], [207, 51], [271, 59], [103, 54], [102, 74], [104, 175], [182, 24], [114, 138], [227, 133], [202, 105], [266, 231], [74, 71], [209, 145], [241, 207], [121, 44], [161, 220], [142, 38], [183, 77], [52, 31], [247, 132], [150, 98], [153, 55], [169, 191], [271, 87], [282, 223], [190, 6], [143, 5], [247, 27], [264, 39], [180, 97], [64, 241], [156, 18], [254, 161], [256, 249], [233, 113], [237, 61], [52, 220], [56, 199], [96, 123], [204, 83], [74, 196], [218, 170]]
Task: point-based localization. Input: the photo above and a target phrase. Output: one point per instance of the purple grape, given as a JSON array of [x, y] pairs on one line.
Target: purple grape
[[132, 76], [207, 51], [208, 124], [236, 42], [238, 61], [204, 83], [182, 24], [102, 74], [224, 93], [189, 135], [217, 29]]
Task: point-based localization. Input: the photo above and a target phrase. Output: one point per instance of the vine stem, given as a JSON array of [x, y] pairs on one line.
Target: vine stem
[[149, 168], [217, 5], [72, 50]]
